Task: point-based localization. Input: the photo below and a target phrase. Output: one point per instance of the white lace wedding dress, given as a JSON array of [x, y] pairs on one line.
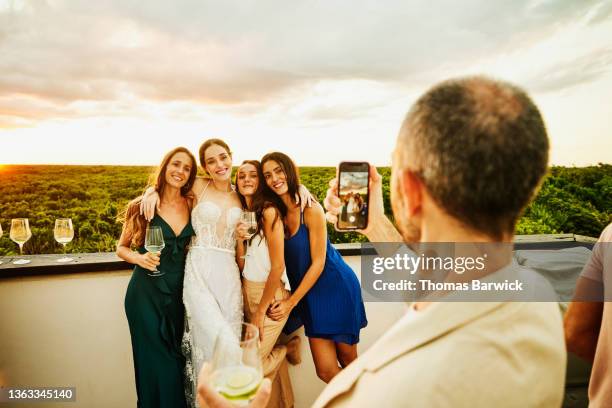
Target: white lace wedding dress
[[212, 291]]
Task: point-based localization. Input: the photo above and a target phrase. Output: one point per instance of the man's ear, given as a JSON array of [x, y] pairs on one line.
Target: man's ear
[[411, 187]]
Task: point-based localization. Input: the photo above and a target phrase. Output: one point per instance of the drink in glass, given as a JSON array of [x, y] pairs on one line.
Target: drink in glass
[[237, 370], [154, 242], [250, 219], [63, 233], [0, 237], [20, 234]]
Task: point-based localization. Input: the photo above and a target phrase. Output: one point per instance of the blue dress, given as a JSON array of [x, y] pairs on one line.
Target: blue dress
[[333, 308]]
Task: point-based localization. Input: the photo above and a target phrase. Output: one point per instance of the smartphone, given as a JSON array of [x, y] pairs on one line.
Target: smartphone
[[354, 194]]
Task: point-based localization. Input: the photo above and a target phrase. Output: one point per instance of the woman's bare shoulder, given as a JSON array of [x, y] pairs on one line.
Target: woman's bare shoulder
[[271, 213], [235, 199]]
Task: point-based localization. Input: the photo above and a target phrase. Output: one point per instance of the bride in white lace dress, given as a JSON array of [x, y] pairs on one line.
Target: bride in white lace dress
[[212, 291]]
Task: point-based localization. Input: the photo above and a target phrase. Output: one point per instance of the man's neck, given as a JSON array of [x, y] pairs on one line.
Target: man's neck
[[448, 229]]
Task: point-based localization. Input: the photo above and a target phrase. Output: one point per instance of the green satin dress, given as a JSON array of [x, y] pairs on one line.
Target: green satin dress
[[155, 313]]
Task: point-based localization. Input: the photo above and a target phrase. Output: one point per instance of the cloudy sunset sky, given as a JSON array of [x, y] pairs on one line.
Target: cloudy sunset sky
[[121, 82]]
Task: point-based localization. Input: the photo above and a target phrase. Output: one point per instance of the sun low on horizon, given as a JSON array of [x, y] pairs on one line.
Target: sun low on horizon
[[121, 84]]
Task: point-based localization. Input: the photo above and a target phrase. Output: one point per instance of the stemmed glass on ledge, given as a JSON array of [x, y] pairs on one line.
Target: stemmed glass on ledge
[[237, 370], [20, 234], [63, 233], [1, 237], [154, 242]]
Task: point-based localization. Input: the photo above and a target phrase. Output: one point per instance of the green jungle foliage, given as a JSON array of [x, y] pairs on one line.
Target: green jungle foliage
[[572, 200]]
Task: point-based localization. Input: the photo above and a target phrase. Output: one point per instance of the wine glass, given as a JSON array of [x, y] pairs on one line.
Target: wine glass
[[154, 242], [236, 365], [0, 237], [63, 233], [250, 219], [20, 234]]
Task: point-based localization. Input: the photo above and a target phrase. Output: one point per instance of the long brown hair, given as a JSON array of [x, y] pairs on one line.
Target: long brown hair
[[131, 218], [292, 174], [263, 198]]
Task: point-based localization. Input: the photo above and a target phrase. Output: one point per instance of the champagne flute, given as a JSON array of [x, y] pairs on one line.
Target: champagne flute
[[250, 219], [237, 369], [20, 234], [63, 233], [154, 242]]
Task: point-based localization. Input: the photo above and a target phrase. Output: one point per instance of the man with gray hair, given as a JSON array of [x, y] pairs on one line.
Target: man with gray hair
[[469, 157]]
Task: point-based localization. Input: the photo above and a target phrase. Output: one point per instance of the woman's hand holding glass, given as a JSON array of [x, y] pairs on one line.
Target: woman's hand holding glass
[[149, 260], [242, 232], [154, 244], [247, 226], [249, 218]]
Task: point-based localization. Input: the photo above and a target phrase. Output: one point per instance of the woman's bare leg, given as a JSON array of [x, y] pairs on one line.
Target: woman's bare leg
[[346, 353], [325, 358]]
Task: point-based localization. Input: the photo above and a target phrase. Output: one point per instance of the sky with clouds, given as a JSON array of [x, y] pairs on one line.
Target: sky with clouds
[[122, 81]]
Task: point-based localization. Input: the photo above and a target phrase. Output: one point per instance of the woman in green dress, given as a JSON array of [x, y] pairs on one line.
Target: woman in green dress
[[153, 304]]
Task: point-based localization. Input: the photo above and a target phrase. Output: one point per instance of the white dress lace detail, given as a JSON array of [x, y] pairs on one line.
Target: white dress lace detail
[[212, 291], [212, 230]]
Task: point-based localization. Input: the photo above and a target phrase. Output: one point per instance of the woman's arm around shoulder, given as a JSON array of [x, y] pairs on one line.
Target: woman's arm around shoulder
[[198, 187], [151, 201]]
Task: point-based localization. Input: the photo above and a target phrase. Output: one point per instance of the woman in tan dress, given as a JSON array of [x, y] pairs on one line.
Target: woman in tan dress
[[264, 280]]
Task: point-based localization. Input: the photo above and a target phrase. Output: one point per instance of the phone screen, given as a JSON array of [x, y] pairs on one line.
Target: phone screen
[[353, 191]]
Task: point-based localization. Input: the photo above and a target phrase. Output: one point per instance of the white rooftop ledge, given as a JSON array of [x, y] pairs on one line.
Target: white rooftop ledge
[[64, 325]]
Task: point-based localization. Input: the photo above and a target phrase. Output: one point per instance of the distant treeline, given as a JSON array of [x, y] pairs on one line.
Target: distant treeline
[[572, 200]]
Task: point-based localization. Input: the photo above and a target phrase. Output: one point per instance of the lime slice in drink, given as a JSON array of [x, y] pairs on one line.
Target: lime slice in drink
[[240, 379], [237, 382]]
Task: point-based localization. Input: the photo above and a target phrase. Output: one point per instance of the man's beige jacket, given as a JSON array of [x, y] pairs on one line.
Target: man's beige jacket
[[494, 354]]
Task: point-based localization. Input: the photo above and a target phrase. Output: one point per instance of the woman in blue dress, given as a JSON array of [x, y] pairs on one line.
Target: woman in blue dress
[[326, 294], [153, 304]]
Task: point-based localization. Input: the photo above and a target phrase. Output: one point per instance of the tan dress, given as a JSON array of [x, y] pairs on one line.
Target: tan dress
[[255, 273]]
